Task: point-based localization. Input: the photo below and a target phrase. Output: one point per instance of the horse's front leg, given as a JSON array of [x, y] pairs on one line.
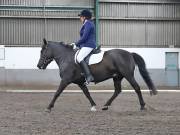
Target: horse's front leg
[[62, 86], [86, 92]]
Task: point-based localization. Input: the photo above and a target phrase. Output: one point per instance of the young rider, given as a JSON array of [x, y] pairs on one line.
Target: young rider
[[86, 43]]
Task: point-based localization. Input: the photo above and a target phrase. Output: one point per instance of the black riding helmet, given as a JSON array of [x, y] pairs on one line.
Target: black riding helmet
[[86, 13]]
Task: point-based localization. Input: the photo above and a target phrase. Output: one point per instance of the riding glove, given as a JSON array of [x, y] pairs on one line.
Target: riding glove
[[73, 45]]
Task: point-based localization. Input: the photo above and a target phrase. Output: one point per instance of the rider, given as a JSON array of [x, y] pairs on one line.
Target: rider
[[86, 43]]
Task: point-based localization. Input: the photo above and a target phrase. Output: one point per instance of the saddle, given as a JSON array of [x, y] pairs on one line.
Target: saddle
[[94, 57]]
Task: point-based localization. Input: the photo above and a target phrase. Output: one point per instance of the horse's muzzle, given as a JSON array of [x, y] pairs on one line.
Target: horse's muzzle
[[39, 66], [43, 65]]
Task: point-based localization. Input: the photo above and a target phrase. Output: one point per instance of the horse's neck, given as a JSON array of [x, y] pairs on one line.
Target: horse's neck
[[62, 54]]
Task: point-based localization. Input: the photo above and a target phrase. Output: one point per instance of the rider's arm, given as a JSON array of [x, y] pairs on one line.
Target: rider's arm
[[84, 37]]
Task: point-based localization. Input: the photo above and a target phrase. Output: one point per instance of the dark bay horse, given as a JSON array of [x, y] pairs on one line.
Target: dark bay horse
[[116, 64]]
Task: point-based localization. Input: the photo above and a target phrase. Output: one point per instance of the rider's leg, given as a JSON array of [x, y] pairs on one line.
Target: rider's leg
[[84, 51], [85, 68]]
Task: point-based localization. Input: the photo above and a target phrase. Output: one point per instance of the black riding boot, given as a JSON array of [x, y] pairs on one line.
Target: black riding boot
[[85, 69]]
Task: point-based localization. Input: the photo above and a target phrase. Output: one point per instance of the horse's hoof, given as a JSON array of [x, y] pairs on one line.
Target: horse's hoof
[[93, 109], [143, 109], [105, 108], [153, 92], [47, 110]]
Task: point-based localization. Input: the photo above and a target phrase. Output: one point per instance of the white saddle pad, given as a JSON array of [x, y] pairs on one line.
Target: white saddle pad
[[94, 58]]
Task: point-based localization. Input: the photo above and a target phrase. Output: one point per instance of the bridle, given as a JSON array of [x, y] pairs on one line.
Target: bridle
[[45, 59]]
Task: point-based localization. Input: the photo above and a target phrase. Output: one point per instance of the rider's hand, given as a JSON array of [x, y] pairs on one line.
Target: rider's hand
[[73, 45]]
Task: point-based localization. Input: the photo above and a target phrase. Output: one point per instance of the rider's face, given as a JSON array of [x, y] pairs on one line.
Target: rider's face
[[82, 18]]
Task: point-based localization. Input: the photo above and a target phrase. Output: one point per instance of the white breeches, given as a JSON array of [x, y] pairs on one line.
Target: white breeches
[[84, 51]]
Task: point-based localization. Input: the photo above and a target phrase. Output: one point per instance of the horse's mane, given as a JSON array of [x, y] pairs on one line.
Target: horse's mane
[[60, 43], [65, 45]]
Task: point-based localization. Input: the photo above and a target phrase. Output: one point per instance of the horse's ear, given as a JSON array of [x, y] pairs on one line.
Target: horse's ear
[[45, 42]]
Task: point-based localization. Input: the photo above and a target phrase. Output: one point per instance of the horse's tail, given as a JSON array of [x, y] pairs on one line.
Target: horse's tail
[[144, 73]]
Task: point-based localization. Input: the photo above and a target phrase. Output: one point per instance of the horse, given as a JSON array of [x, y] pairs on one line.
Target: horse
[[116, 64]]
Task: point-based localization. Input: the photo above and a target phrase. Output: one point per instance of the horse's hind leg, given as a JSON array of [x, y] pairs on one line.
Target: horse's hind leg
[[135, 85], [86, 92], [117, 86]]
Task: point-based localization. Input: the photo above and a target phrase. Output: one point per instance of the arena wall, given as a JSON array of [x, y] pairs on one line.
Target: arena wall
[[150, 28], [19, 68]]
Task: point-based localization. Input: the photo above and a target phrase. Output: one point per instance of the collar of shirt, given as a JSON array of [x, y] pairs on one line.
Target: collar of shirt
[[84, 22]]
